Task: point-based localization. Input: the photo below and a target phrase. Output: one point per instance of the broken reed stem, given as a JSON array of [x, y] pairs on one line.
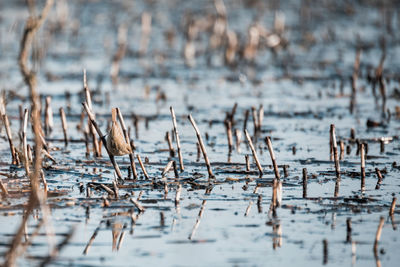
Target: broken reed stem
[[24, 142], [246, 117], [260, 117], [142, 166], [170, 147], [336, 158], [103, 139], [64, 125], [246, 213], [137, 204], [392, 206], [238, 136], [91, 126], [380, 177], [176, 173], [128, 141], [229, 135], [304, 182], [273, 159], [178, 143], [9, 137], [378, 235], [285, 170], [255, 120], [167, 168], [48, 120], [382, 142], [202, 147], [259, 203], [254, 152], [87, 143], [341, 145], [247, 159], [107, 189], [362, 155], [232, 113], [198, 149], [4, 191], [115, 189]]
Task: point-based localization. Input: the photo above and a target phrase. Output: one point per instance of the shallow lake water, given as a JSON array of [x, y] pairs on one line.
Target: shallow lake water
[[303, 85]]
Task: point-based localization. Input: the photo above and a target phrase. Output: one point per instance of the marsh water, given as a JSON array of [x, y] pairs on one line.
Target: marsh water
[[304, 86]]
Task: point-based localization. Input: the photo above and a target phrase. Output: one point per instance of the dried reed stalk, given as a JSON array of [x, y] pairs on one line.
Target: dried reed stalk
[[247, 159], [246, 117], [137, 204], [48, 119], [170, 147], [336, 158], [362, 155], [254, 152], [167, 168], [91, 126], [178, 143], [24, 142], [392, 206], [380, 178], [229, 135], [142, 166], [273, 159], [64, 125], [304, 182], [9, 137], [4, 191], [202, 147]]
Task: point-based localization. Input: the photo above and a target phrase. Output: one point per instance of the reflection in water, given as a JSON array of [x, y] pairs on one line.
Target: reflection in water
[[203, 205], [251, 203], [325, 252], [277, 235], [353, 252], [377, 238], [89, 244], [116, 231], [393, 223]]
